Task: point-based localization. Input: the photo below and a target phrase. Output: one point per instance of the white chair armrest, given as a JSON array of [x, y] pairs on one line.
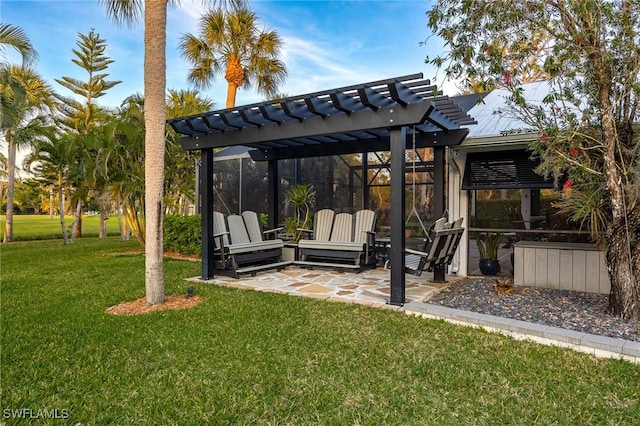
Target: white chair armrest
[[273, 231]]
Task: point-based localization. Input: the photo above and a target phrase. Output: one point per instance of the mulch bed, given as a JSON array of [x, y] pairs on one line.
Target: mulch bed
[[140, 306], [583, 312]]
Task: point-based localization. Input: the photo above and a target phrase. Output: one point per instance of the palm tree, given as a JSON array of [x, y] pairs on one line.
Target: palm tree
[[11, 92], [12, 37], [15, 37], [35, 96], [13, 98], [124, 164], [181, 167], [51, 158], [231, 42], [186, 102], [155, 65]]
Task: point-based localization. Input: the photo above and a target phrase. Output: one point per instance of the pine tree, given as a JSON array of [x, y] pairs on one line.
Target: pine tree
[[80, 117]]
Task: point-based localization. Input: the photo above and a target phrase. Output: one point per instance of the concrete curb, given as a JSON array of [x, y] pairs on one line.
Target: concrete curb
[[598, 346]]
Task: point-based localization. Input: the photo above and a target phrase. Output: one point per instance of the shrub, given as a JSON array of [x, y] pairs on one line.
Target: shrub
[[183, 234]]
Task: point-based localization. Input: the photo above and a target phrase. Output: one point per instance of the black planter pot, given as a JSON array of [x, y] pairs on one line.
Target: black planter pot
[[489, 267]]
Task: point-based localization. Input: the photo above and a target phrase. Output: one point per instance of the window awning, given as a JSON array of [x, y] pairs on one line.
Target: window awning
[[503, 170]]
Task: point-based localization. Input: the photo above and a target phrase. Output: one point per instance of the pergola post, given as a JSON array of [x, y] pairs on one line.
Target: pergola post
[[196, 200], [365, 180], [206, 192], [398, 146], [439, 197], [273, 179], [242, 193], [331, 181]]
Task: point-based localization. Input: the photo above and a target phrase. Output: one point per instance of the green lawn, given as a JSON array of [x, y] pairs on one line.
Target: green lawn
[[40, 227], [245, 357]]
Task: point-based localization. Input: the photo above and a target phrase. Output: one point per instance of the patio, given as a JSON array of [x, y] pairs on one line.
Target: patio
[[370, 287]]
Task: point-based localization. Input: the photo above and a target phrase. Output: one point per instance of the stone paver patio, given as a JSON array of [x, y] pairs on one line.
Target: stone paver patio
[[370, 287]]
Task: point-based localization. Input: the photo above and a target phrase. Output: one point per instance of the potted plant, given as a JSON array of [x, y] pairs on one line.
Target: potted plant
[[488, 244], [302, 198]]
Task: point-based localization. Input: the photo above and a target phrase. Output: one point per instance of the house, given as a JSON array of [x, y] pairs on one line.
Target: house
[[494, 157]]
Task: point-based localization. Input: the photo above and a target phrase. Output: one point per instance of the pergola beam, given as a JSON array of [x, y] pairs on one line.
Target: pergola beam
[[358, 121], [428, 140]]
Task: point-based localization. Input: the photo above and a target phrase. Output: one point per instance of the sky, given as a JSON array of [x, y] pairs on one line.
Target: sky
[[327, 44]]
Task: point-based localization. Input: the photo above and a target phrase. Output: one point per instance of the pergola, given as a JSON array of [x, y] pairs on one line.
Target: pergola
[[382, 115]]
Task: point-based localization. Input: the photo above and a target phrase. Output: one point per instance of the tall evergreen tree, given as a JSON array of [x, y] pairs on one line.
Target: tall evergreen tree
[[80, 117]]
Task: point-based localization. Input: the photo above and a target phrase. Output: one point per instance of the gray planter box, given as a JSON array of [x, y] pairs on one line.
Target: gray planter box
[[565, 266]]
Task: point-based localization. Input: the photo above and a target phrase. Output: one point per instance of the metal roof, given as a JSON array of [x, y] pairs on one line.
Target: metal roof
[[345, 120], [497, 116]]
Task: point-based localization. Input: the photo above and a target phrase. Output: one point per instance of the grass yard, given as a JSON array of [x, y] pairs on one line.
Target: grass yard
[[245, 357], [41, 227]]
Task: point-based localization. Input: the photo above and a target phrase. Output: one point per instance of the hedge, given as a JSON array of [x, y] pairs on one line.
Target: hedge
[[183, 234]]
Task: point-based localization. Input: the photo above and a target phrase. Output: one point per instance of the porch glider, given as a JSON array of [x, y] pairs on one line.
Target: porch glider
[[240, 247], [440, 246], [342, 240]]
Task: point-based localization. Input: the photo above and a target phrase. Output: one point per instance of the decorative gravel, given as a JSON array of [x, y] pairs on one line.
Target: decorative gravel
[[584, 312]]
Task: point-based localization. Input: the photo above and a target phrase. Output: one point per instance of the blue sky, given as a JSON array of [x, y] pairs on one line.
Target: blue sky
[[328, 44]]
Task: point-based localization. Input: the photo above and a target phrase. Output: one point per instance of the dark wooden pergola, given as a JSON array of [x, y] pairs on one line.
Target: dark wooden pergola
[[383, 115]]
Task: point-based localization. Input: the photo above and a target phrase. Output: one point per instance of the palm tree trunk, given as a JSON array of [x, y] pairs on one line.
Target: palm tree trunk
[[51, 203], [103, 224], [61, 208], [76, 221], [234, 75], [155, 24], [104, 214], [134, 224], [187, 206], [11, 181], [122, 222], [232, 89], [77, 229]]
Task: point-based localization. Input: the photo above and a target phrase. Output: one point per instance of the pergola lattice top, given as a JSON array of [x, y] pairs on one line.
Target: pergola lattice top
[[345, 120]]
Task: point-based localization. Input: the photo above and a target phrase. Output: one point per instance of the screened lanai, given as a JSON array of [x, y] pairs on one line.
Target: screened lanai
[[390, 115], [343, 183]]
